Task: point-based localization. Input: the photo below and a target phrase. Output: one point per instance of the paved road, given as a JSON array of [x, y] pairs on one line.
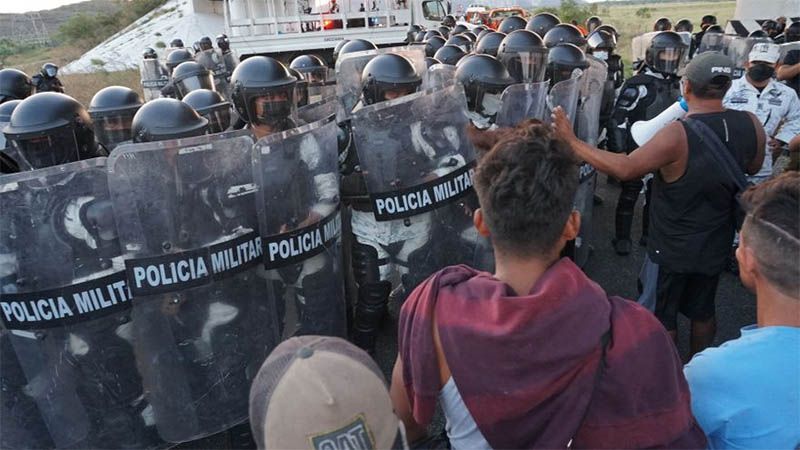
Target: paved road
[[616, 274]]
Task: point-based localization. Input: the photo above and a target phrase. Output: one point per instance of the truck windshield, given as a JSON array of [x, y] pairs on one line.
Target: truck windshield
[[433, 10]]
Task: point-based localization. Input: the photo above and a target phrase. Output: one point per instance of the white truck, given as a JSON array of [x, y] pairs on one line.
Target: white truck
[[285, 28]]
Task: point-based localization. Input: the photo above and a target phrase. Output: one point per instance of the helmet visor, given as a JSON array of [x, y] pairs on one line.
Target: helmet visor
[[194, 83], [218, 120], [51, 71], [668, 60], [113, 129], [316, 75], [376, 92], [562, 72], [55, 148], [271, 106], [526, 67]]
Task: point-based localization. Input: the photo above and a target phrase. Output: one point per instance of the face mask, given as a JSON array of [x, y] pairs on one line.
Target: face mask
[[760, 72], [491, 104], [603, 56]]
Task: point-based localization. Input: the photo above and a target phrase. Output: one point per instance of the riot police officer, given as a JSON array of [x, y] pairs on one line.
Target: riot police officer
[[449, 21], [461, 41], [205, 43], [707, 21], [484, 79], [112, 110], [684, 25], [378, 246], [311, 67], [301, 88], [433, 45], [228, 57], [263, 95], [356, 45], [176, 43], [176, 58], [166, 118], [49, 129], [14, 85], [564, 33], [542, 23], [47, 79], [601, 45], [212, 106], [652, 90], [592, 23], [189, 76], [525, 56]]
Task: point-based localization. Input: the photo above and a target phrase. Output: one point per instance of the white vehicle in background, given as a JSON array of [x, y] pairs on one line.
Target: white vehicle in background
[[286, 28]]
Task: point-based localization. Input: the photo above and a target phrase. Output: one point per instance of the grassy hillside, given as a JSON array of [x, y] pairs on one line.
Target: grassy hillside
[[624, 17]]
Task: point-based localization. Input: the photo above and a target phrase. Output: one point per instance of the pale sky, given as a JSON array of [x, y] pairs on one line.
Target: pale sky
[[20, 6]]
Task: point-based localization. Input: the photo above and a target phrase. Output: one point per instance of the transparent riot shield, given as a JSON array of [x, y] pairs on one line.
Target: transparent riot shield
[[348, 73], [565, 94], [787, 47], [714, 42], [580, 249], [153, 77], [640, 44], [739, 51], [203, 318], [297, 175], [520, 102], [438, 76], [418, 164], [68, 366], [230, 61], [319, 92], [215, 63], [587, 120], [317, 111]]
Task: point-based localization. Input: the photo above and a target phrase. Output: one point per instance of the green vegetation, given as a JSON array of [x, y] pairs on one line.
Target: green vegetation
[[8, 48], [85, 31], [572, 10], [643, 12]]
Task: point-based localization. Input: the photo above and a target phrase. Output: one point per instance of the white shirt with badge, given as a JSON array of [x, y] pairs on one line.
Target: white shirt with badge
[[776, 106]]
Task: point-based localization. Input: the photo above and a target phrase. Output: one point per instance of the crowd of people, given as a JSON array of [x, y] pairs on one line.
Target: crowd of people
[[456, 174]]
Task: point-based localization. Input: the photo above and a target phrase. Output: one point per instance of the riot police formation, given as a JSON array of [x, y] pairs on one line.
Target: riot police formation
[[601, 44], [212, 106], [47, 79], [645, 95]]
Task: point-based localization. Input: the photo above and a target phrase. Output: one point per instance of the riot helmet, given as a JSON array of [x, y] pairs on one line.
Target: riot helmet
[[49, 129], [166, 118], [609, 29], [430, 61], [176, 43], [449, 21], [662, 24], [444, 31], [14, 85], [771, 27], [300, 89], [390, 74], [212, 106], [312, 67], [512, 23], [484, 79], [684, 25], [337, 49], [5, 111], [149, 53], [707, 21], [412, 33], [592, 23], [419, 38], [189, 76], [205, 43], [792, 32], [714, 29], [112, 110], [490, 43], [524, 55], [564, 33], [562, 60], [484, 33], [177, 57], [356, 45], [433, 45], [49, 70], [263, 91], [471, 36], [223, 43], [542, 23], [431, 33], [458, 29], [666, 52], [758, 34], [196, 47], [601, 44], [460, 41], [449, 54], [479, 29]]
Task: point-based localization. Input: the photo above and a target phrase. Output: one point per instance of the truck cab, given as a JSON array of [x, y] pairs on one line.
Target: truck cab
[[286, 28]]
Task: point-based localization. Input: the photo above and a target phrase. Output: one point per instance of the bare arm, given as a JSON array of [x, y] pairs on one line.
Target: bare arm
[[663, 149], [402, 407], [761, 144], [787, 72]]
